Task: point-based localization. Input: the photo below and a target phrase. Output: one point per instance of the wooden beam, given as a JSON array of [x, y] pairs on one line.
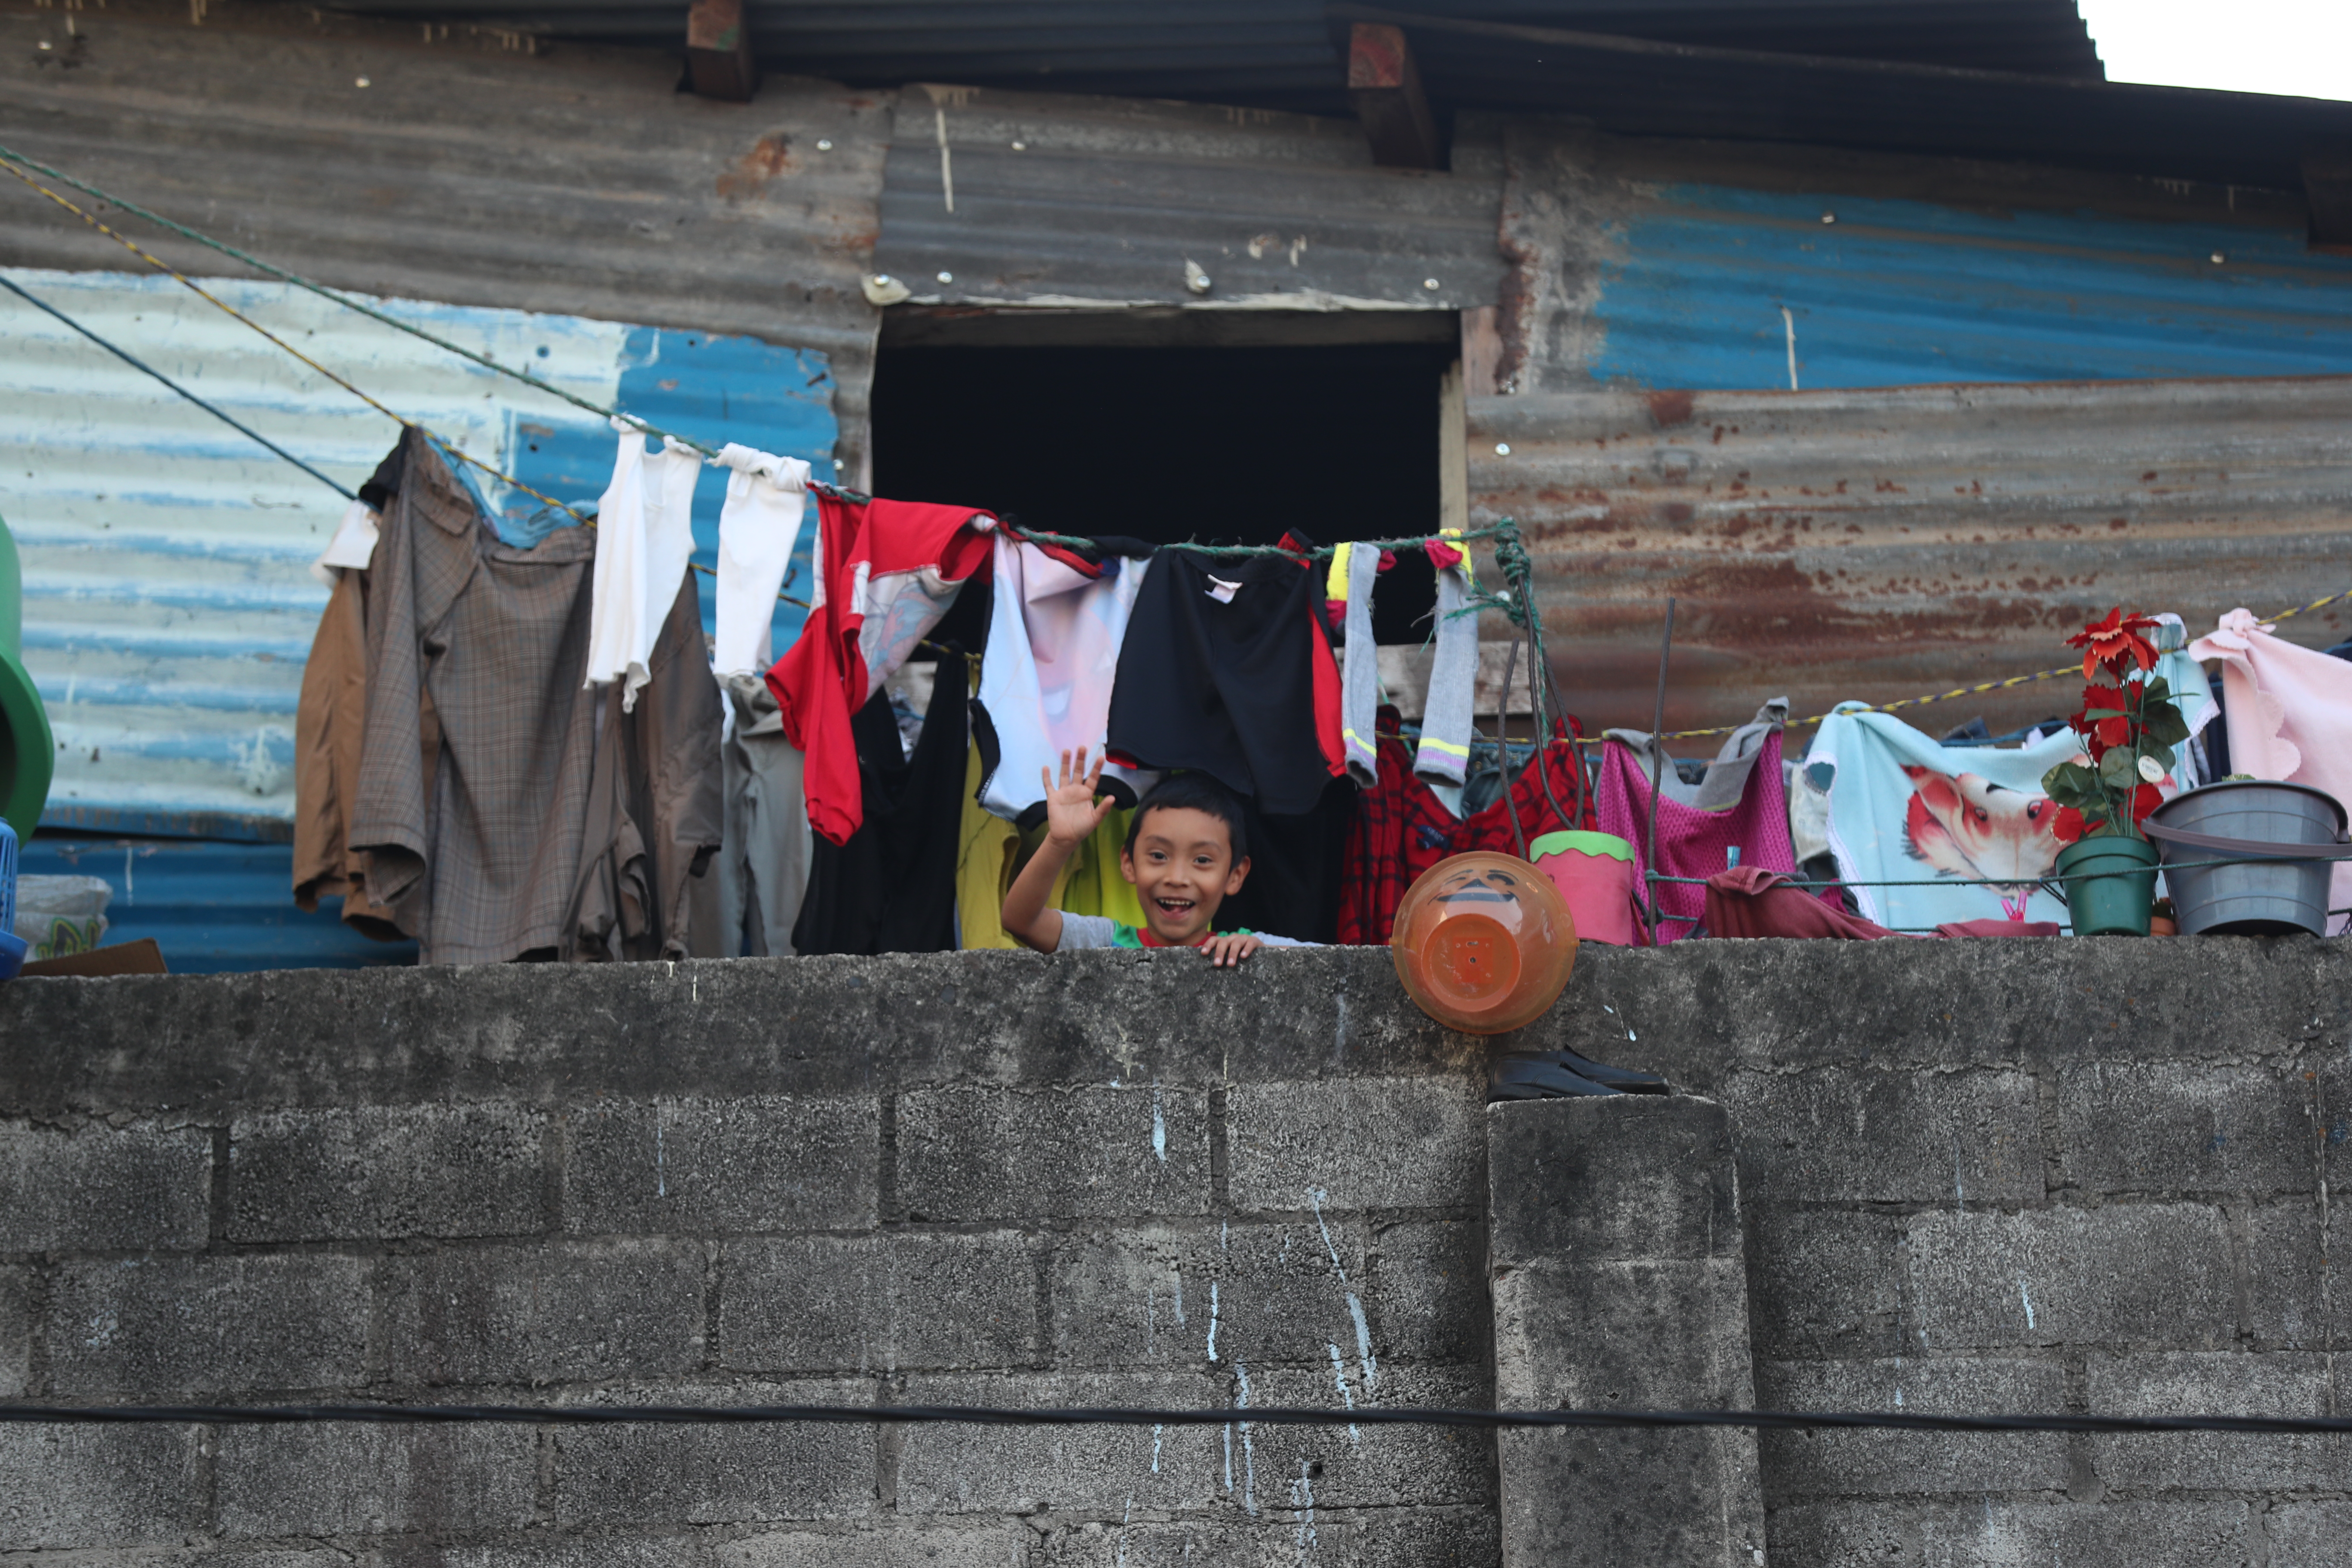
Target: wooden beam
[[718, 62], [1385, 86], [2327, 186]]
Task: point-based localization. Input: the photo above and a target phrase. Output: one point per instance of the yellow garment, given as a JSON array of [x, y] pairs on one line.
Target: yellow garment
[[994, 851]]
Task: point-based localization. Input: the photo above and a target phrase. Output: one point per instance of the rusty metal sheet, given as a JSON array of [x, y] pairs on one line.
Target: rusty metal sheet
[[1880, 543], [579, 182], [1013, 199]]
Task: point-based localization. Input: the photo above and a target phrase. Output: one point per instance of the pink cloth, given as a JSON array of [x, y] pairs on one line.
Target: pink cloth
[[1694, 843], [1749, 902], [2289, 713]]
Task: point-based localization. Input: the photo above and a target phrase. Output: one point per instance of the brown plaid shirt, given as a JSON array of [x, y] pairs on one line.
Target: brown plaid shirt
[[479, 862]]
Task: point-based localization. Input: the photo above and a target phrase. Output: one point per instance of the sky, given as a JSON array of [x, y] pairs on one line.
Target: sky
[[2299, 47]]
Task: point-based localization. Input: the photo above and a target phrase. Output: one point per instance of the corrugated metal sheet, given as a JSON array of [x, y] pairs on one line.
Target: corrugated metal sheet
[[1271, 51], [582, 184], [1639, 88], [1879, 544], [1633, 270], [211, 907], [1096, 203], [168, 606]]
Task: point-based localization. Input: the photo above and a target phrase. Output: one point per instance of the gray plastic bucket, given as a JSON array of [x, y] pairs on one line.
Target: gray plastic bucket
[[2259, 898]]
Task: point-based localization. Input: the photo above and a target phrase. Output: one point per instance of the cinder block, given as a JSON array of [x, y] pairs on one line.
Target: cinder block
[[1396, 1468], [2136, 1273], [1098, 1470], [1662, 1335], [16, 1332], [984, 1544], [978, 1152], [1362, 1143], [1832, 1532], [1998, 1532], [879, 1303], [635, 1476], [1559, 1185], [1273, 1291], [1842, 1135], [2223, 1383], [356, 1480], [678, 1549], [1867, 1463], [550, 1312], [1823, 1282], [2287, 1264], [2184, 1127], [101, 1187], [389, 1172], [2332, 1126], [759, 1164], [2311, 1534], [103, 1486], [1297, 1527], [230, 1325]]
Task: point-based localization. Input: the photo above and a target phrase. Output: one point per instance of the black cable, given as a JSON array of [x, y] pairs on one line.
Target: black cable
[[125, 356], [1271, 1415]]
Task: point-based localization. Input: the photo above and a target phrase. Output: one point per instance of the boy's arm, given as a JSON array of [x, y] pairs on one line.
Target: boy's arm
[[1071, 814]]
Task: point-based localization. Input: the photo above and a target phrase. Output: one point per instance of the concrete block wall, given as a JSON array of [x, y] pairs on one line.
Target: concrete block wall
[[2068, 1175], [994, 1180]]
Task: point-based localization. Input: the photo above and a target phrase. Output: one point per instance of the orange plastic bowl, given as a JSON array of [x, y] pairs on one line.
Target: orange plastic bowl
[[1484, 942]]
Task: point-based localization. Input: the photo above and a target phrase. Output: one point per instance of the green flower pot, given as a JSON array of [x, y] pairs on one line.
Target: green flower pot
[[2113, 886]]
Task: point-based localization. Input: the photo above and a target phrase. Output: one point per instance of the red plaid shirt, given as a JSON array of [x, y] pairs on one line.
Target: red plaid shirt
[[1401, 828]]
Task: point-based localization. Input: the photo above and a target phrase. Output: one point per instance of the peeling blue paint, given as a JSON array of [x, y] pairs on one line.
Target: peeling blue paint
[[1904, 292]]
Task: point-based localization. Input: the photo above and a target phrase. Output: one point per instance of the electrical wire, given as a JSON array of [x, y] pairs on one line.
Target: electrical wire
[[139, 364], [1093, 1416]]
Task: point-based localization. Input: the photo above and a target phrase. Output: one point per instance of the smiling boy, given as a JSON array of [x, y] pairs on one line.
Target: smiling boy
[[1186, 853]]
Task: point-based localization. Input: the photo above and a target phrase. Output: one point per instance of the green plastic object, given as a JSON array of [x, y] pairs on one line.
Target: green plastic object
[[28, 753], [2116, 893]]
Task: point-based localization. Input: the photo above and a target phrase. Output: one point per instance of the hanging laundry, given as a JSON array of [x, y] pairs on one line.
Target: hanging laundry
[[1054, 629], [889, 571], [757, 527], [645, 536], [2290, 716], [1403, 826], [1297, 870], [654, 801], [1726, 779], [476, 847], [1899, 806], [328, 719], [1443, 755], [1697, 841], [892, 886], [1749, 902], [763, 857], [352, 545], [1226, 668], [1347, 610]]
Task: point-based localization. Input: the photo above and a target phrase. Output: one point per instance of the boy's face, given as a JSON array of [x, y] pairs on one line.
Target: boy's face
[[1182, 867]]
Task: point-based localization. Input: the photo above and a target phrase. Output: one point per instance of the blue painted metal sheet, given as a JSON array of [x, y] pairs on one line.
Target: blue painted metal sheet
[[1908, 292], [211, 906], [168, 603]]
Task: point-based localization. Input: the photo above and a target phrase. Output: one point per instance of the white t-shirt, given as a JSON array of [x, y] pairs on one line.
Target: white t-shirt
[[1101, 930]]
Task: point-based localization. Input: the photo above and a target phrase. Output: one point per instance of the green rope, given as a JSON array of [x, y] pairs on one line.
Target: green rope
[[2011, 881]]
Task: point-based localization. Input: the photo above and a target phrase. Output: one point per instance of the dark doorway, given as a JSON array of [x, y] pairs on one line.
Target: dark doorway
[[1221, 444]]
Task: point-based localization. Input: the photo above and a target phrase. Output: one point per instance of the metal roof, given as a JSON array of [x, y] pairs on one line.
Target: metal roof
[[992, 198], [1885, 543], [1638, 87], [1278, 52]]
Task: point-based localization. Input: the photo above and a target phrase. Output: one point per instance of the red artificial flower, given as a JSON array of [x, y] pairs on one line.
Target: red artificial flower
[[2115, 639], [2144, 799], [2067, 826], [2111, 732]]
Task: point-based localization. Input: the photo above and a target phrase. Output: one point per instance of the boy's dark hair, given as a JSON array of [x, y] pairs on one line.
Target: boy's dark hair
[[1193, 792]]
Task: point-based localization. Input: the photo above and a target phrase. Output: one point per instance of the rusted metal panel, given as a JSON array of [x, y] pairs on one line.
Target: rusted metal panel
[[1011, 199], [1715, 267], [580, 185], [1875, 544]]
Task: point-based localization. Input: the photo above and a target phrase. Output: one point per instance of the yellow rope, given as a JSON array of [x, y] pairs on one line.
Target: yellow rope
[[134, 247]]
